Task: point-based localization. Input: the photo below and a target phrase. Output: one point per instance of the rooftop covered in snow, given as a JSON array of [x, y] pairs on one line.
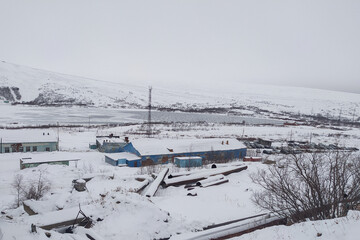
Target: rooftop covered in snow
[[110, 139], [123, 155], [28, 136], [44, 158], [150, 146]]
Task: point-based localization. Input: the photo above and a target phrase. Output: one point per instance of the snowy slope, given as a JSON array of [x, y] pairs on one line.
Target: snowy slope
[[345, 228], [47, 88]]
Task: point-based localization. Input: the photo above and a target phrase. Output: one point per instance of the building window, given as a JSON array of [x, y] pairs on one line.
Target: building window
[[21, 149], [34, 148], [7, 149], [47, 149], [27, 149]]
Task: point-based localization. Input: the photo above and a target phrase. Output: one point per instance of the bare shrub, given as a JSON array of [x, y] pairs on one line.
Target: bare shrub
[[18, 184], [315, 186], [25, 189], [150, 169], [88, 168], [37, 189]]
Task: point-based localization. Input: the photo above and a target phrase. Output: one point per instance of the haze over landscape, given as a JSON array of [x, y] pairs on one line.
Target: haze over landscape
[[179, 120], [188, 43]]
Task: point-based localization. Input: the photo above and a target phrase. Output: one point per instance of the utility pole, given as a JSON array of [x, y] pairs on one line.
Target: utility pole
[[340, 115], [149, 114], [58, 135], [353, 120]]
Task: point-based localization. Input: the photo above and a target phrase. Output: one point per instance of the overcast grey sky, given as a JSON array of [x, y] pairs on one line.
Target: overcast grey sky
[[308, 43]]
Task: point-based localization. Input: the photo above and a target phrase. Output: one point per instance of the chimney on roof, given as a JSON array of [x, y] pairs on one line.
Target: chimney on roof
[[222, 143], [127, 139], [227, 142]]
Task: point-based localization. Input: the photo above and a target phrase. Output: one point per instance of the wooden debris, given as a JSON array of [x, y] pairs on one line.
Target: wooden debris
[[28, 209], [225, 180], [209, 180], [193, 178], [143, 185], [212, 181], [156, 183], [57, 219], [191, 194]]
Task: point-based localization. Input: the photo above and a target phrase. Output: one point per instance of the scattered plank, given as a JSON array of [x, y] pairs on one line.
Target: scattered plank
[[218, 182], [156, 183], [28, 208], [57, 219], [142, 185], [233, 229], [193, 178], [217, 165], [210, 179]]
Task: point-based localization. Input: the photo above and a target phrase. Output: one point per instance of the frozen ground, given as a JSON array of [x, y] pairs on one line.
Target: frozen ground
[[128, 215], [23, 115]]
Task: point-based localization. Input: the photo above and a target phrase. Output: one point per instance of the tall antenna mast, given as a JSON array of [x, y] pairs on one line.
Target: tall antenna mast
[[149, 114]]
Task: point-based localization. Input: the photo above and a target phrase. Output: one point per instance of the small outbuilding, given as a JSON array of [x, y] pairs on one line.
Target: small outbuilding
[[38, 160], [121, 159], [109, 144], [184, 162]]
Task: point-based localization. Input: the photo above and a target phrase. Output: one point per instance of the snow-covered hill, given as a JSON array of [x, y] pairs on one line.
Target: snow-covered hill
[[39, 87]]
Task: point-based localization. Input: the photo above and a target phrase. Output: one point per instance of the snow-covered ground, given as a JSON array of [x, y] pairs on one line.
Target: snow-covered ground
[[111, 197], [344, 228], [127, 215]]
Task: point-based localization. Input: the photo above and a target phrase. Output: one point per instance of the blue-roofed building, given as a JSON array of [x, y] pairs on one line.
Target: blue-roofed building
[[121, 159], [161, 151]]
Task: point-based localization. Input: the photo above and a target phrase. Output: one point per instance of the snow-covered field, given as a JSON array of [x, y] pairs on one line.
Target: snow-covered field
[[111, 198], [129, 215], [135, 217]]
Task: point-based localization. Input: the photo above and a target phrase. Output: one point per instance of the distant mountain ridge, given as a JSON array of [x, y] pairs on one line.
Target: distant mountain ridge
[[25, 85]]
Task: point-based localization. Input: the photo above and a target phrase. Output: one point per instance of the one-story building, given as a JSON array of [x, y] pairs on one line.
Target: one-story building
[[110, 144], [28, 141], [37, 160], [122, 159], [161, 151]]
